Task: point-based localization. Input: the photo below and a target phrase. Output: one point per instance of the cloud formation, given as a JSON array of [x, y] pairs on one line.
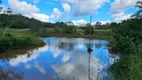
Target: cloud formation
[[120, 17], [79, 6], [28, 10], [22, 7], [66, 7], [80, 22], [56, 14], [119, 6]]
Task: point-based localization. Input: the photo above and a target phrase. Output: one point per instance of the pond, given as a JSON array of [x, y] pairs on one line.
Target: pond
[[61, 59]]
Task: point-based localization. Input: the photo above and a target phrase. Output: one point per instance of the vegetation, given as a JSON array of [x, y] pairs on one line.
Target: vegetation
[[63, 28], [16, 29], [89, 29], [11, 42], [128, 41], [138, 14]]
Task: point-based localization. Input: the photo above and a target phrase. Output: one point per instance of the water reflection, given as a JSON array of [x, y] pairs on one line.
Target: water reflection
[[64, 59]]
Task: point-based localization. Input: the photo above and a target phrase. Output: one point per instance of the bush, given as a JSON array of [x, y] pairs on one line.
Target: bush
[[127, 36], [10, 42]]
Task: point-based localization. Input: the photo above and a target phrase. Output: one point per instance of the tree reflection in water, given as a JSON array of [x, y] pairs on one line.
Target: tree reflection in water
[[60, 59], [10, 74]]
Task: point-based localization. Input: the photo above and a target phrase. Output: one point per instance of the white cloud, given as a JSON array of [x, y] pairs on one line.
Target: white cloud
[[22, 7], [85, 7], [66, 7], [27, 10], [66, 57], [40, 68], [56, 14], [79, 22], [27, 66], [38, 16], [121, 5], [3, 9], [77, 68], [120, 17], [102, 22], [25, 59]]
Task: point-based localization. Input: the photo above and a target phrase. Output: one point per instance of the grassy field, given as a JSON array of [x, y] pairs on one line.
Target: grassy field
[[19, 32], [102, 34], [99, 34]]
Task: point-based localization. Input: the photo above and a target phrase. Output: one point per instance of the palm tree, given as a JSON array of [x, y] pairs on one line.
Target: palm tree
[[138, 14]]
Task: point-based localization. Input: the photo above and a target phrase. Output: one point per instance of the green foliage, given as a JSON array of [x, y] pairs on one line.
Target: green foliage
[[138, 14], [11, 42], [57, 30], [69, 29], [21, 22], [42, 32], [128, 36], [89, 29], [61, 27], [126, 31]]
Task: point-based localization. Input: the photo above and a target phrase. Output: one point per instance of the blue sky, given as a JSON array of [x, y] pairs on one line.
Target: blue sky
[[76, 11]]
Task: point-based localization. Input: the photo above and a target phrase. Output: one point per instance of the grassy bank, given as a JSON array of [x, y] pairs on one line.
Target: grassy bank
[[19, 32], [18, 39], [25, 39], [104, 34], [99, 33]]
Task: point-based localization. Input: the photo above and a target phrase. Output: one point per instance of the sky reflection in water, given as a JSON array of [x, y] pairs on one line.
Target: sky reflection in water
[[63, 59]]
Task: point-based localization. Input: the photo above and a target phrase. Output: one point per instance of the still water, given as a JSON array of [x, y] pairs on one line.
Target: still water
[[62, 59]]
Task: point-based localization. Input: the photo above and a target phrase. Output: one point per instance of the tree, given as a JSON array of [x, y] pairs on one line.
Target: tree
[[98, 24], [9, 10], [138, 14], [89, 29]]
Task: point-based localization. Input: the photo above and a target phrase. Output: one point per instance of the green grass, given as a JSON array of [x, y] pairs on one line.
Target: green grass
[[19, 32], [22, 34], [99, 34], [102, 34]]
